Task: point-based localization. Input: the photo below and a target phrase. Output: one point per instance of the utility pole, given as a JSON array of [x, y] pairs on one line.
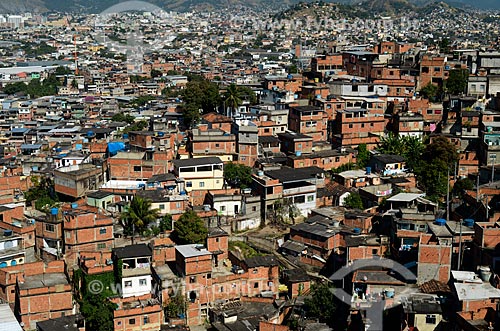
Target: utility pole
[[448, 196]]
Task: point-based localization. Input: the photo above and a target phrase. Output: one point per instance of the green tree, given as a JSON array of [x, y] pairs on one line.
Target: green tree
[[457, 81], [429, 91], [166, 223], [461, 186], [232, 98], [199, 94], [175, 306], [363, 157], [98, 312], [13, 88], [189, 229], [238, 175], [121, 117], [42, 193], [322, 303], [353, 201], [432, 173], [138, 215], [156, 73], [411, 148]]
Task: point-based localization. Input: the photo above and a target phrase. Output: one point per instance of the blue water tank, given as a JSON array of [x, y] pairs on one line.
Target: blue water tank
[[78, 147], [356, 230], [54, 211], [183, 192], [289, 77], [125, 136], [298, 153], [440, 221], [368, 170], [141, 185], [13, 262], [7, 233], [3, 264], [469, 222], [90, 133], [161, 134], [74, 205]]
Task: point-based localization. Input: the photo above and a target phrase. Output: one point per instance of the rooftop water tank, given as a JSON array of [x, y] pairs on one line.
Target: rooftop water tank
[[7, 233], [90, 133], [298, 153], [74, 205], [469, 222], [356, 230], [440, 222], [368, 170], [54, 211], [260, 173]]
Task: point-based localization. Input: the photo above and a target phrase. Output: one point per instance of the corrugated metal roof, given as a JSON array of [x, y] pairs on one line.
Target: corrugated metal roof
[[8, 321]]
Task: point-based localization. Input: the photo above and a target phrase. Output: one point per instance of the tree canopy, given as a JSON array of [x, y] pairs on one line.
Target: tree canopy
[[189, 229], [238, 175], [199, 94], [457, 81], [363, 157], [411, 148], [430, 91], [438, 160], [354, 201], [138, 215], [322, 303]]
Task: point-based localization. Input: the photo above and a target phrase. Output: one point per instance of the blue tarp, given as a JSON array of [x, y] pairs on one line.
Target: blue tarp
[[115, 147]]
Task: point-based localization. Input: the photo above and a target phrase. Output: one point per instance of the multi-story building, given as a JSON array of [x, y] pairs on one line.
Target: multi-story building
[[358, 126], [212, 142], [247, 137], [308, 120], [135, 264], [203, 173]]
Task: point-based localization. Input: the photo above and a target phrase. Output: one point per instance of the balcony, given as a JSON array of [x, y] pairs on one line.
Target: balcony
[[298, 188]]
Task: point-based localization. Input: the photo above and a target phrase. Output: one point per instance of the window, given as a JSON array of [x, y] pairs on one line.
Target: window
[[254, 208], [255, 285], [137, 168], [192, 279], [266, 130], [49, 227], [68, 235], [299, 199], [189, 184], [355, 88], [162, 206], [146, 319], [101, 246], [222, 208], [430, 319], [143, 282], [217, 145], [310, 198], [202, 184], [255, 270], [374, 251], [128, 283], [102, 231], [350, 126], [131, 321], [209, 275], [437, 69], [221, 289], [429, 112]]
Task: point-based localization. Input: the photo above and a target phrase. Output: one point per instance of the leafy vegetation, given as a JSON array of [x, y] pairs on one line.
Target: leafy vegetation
[[411, 148], [430, 91], [35, 88], [322, 304], [42, 193], [344, 167], [189, 229], [461, 186], [244, 248], [199, 94], [175, 306], [121, 117], [432, 172], [138, 216], [354, 201], [457, 81], [238, 175], [363, 157]]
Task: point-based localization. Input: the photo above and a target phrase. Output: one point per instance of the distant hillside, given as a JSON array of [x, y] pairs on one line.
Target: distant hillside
[[22, 6], [96, 6]]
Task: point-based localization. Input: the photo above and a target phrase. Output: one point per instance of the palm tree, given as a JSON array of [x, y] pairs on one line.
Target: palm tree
[[74, 84], [138, 216], [232, 98]]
